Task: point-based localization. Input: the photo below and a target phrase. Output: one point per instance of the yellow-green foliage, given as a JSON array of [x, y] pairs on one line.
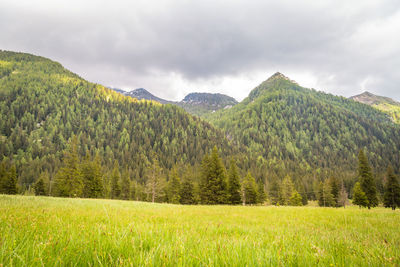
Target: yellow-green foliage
[[37, 231], [392, 110]]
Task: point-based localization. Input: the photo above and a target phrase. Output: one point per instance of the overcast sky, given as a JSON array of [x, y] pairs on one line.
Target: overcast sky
[[173, 47]]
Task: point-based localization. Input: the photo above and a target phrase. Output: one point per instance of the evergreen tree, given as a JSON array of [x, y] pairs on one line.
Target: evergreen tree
[[205, 192], [187, 196], [249, 190], [68, 180], [359, 197], [9, 182], [334, 183], [295, 199], [391, 197], [233, 184], [275, 192], [328, 198], [287, 190], [174, 187], [133, 195], [155, 184], [366, 180], [261, 195], [38, 187], [213, 187], [115, 184], [343, 196], [125, 185], [92, 178], [3, 174], [320, 194], [303, 194]]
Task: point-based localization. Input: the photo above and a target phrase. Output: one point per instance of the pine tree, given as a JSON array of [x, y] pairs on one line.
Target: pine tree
[[343, 196], [295, 199], [10, 181], [303, 194], [38, 187], [327, 195], [366, 180], [205, 192], [249, 190], [92, 178], [287, 189], [233, 184], [125, 185], [334, 183], [155, 183], [391, 197], [320, 194], [68, 180], [359, 197], [115, 184], [213, 186], [275, 192], [261, 195], [3, 175], [187, 196], [174, 187]]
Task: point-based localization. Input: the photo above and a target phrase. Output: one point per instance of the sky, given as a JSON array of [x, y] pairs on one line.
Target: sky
[[174, 47]]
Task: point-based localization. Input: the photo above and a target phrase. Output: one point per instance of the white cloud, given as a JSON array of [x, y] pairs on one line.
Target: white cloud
[[173, 47]]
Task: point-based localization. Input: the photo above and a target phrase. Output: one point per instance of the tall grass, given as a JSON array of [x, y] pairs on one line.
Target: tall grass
[[45, 231]]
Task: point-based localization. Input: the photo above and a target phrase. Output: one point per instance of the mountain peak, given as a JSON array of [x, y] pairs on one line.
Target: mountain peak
[[141, 93], [278, 75], [372, 99], [140, 90]]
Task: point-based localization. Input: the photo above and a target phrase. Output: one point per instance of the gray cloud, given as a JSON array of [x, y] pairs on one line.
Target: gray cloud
[[173, 47]]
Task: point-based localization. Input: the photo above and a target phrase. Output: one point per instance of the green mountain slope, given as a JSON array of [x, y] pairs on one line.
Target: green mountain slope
[[308, 133], [384, 104], [43, 105]]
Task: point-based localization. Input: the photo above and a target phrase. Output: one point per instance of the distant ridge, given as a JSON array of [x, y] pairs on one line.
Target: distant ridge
[[382, 103], [372, 99], [194, 103]]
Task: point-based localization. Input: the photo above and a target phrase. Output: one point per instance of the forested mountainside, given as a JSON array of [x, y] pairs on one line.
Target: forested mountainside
[[384, 104], [197, 104], [55, 126], [44, 105], [307, 133]]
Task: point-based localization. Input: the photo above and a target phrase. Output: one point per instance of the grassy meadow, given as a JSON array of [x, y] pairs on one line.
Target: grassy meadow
[[37, 231]]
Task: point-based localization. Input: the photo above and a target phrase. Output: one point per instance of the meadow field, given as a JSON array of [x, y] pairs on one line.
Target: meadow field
[[46, 231]]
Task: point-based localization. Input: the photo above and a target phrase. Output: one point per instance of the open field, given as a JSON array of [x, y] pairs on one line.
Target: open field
[[80, 232]]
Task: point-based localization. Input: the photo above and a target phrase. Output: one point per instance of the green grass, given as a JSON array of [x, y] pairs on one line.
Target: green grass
[[38, 231]]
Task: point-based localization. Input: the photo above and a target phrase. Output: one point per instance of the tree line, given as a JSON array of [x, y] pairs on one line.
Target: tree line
[[209, 183]]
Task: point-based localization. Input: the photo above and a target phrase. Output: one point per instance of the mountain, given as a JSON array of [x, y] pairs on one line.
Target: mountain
[[142, 93], [308, 134], [384, 104], [202, 103], [43, 106], [194, 103]]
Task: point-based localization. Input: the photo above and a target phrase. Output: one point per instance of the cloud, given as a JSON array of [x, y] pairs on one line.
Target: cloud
[[173, 47]]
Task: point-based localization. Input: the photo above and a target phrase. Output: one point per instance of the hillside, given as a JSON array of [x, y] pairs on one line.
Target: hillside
[[384, 104], [44, 105], [194, 103], [308, 133]]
